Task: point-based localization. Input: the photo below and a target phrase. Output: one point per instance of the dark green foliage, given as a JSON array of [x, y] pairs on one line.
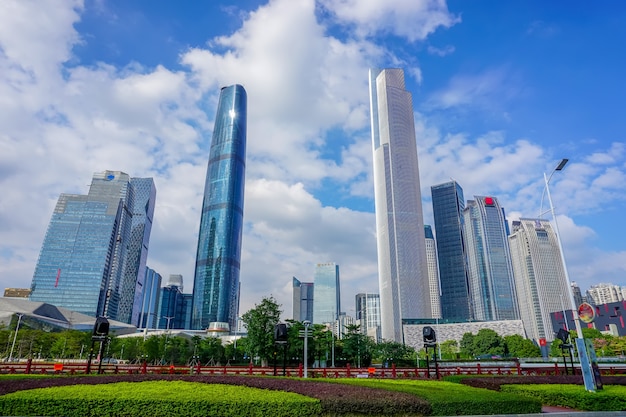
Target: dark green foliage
[[520, 347], [611, 398], [260, 322]]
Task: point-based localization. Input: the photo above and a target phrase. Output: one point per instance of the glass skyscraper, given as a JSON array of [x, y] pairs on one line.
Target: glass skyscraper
[[492, 291], [368, 314], [216, 280], [150, 296], [303, 300], [327, 294], [88, 261], [448, 205], [402, 264], [539, 276]]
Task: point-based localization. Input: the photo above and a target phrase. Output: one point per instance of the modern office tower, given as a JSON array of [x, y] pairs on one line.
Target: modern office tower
[[433, 272], [174, 306], [216, 279], [88, 262], [150, 296], [343, 321], [448, 206], [578, 295], [605, 293], [368, 314], [402, 264], [302, 300], [490, 273], [326, 293], [539, 276], [131, 291]]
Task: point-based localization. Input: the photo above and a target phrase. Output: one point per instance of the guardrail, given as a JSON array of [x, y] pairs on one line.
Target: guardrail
[[34, 367]]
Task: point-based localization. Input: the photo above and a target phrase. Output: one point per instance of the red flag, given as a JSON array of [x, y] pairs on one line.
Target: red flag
[[56, 283]]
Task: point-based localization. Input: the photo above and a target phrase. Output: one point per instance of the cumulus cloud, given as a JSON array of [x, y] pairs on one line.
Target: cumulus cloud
[[411, 19]]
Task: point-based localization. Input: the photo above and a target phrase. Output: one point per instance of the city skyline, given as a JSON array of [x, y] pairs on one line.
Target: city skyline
[[500, 95]]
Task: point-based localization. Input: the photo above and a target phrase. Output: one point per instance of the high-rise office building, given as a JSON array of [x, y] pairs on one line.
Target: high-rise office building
[[131, 288], [89, 261], [492, 291], [539, 276], [216, 279], [448, 206], [150, 296], [174, 305], [326, 293], [368, 314], [402, 264], [302, 300], [578, 295], [433, 272]]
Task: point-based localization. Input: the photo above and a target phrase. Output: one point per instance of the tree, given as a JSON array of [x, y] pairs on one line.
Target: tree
[[261, 321], [394, 352], [488, 342], [520, 347], [357, 348], [467, 345], [449, 349]]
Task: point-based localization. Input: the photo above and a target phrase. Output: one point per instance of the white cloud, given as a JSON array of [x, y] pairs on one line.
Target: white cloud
[[412, 19], [446, 50]]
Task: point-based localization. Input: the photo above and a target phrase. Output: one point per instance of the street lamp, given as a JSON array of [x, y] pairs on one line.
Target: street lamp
[[306, 323], [17, 328], [583, 357]]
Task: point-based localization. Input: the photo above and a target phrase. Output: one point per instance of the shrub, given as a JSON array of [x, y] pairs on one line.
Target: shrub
[[611, 398]]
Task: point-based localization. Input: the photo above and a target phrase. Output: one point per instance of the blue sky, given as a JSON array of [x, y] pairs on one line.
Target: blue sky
[[501, 91]]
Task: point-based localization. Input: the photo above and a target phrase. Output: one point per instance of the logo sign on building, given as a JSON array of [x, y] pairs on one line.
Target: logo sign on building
[[586, 313]]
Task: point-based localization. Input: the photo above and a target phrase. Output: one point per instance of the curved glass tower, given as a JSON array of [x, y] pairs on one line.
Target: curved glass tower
[[216, 280]]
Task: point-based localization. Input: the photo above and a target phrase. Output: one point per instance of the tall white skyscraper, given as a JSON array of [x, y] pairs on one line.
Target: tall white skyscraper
[[433, 272], [402, 265], [326, 293], [539, 276]]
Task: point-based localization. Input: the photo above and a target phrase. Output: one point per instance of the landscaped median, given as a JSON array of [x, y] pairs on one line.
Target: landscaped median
[[160, 395], [610, 398]]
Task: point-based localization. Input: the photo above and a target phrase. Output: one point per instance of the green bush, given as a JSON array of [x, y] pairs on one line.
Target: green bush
[[447, 398], [157, 398], [611, 398]]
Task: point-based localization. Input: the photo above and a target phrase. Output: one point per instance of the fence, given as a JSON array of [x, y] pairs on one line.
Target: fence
[[35, 367]]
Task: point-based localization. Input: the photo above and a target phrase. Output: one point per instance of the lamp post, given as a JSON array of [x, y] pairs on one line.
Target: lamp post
[[583, 357], [306, 323], [17, 328]]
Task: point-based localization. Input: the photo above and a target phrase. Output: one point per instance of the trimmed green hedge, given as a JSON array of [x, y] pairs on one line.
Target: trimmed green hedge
[[157, 398], [447, 398], [611, 398]]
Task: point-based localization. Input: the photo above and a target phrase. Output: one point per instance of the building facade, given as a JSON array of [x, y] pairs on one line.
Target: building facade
[[490, 272], [88, 261], [303, 300], [216, 279], [605, 293], [326, 293], [368, 314], [433, 272], [448, 206], [539, 276], [402, 264], [150, 297]]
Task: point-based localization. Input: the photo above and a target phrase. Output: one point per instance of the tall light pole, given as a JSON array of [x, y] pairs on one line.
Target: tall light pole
[[583, 357], [17, 328], [306, 323]]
